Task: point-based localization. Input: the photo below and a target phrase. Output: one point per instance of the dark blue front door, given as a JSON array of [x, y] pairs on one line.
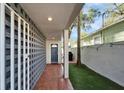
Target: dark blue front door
[[54, 53]]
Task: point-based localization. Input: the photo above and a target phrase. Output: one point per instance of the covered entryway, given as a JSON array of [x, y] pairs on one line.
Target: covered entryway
[[27, 31]]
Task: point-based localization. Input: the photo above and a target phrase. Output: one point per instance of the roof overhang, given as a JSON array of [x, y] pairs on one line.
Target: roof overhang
[[63, 15]]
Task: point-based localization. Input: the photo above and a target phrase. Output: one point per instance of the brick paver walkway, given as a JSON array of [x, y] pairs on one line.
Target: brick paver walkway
[[52, 79]]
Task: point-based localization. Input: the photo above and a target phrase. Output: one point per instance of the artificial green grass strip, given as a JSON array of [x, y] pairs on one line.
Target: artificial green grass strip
[[83, 78]]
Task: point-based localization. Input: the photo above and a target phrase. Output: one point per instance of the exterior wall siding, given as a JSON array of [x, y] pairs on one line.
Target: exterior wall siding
[[114, 33], [37, 50]]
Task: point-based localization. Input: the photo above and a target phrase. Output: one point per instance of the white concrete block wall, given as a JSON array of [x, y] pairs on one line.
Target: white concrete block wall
[[12, 33], [105, 60]]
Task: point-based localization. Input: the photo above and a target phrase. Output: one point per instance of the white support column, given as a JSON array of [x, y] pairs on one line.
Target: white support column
[[12, 50], [28, 59], [66, 61], [62, 59], [19, 53], [24, 56], [2, 46]]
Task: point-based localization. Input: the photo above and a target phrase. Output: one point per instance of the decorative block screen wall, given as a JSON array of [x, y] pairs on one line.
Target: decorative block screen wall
[[25, 50]]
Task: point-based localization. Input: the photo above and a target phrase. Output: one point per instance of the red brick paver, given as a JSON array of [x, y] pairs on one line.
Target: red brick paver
[[52, 79]]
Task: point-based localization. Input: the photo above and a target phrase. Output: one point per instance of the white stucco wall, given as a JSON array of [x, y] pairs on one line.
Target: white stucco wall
[[106, 60], [48, 51]]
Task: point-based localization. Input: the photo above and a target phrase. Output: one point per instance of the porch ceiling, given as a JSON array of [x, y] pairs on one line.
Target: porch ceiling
[[62, 14]]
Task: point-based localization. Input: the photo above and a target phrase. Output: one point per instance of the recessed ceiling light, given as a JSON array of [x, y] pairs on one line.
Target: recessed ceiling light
[[50, 19]]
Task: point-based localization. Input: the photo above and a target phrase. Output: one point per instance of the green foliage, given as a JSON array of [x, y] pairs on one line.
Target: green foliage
[[119, 8], [84, 34], [114, 14], [92, 14], [87, 19]]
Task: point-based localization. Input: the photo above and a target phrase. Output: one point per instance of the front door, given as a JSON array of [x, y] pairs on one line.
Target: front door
[[54, 53]]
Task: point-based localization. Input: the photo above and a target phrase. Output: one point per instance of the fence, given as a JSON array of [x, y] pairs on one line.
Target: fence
[[105, 59]]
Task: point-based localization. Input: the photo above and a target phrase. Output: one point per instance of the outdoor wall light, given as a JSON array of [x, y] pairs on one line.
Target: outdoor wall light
[[50, 19]]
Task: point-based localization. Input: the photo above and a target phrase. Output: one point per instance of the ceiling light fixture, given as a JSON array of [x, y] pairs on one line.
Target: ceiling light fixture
[[50, 19]]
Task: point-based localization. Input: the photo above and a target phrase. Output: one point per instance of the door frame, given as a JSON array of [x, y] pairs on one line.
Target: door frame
[[57, 53]]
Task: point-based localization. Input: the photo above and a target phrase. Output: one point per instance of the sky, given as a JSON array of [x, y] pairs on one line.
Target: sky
[[98, 22]]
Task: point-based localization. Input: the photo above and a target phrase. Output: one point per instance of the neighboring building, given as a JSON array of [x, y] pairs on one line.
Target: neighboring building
[[107, 34]]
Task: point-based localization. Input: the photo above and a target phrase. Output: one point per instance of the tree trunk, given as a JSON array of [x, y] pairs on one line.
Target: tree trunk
[[78, 42]]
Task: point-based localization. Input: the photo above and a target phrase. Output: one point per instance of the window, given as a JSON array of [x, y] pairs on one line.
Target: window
[[97, 39], [54, 45]]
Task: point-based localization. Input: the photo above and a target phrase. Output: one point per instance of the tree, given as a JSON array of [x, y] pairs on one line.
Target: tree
[[89, 18], [119, 8], [83, 21], [83, 34], [115, 13], [78, 42]]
